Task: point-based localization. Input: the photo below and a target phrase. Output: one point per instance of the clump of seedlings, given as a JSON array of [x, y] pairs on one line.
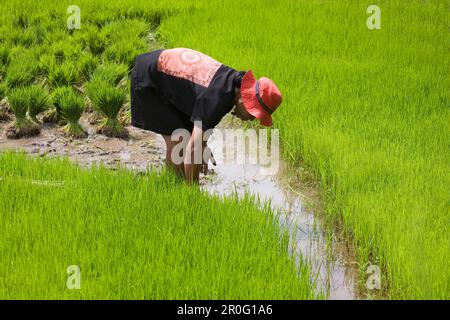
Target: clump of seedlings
[[96, 41], [125, 51], [45, 64], [87, 64], [20, 20], [71, 108], [2, 91], [62, 75], [126, 29], [53, 113], [22, 126], [110, 73], [66, 51], [38, 101], [4, 59], [108, 100], [21, 71], [4, 116]]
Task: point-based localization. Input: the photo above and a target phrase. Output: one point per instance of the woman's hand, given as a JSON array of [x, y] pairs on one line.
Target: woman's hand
[[209, 156]]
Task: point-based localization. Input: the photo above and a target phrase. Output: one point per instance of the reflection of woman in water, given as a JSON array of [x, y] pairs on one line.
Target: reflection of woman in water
[[172, 88]]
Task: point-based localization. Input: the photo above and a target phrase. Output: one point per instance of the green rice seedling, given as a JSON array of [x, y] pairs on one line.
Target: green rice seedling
[[47, 62], [38, 101], [4, 56], [80, 37], [20, 20], [62, 75], [4, 116], [38, 19], [21, 71], [110, 73], [125, 30], [18, 52], [53, 114], [4, 32], [38, 33], [58, 52], [38, 51], [72, 107], [22, 125], [108, 100], [101, 19], [96, 42], [124, 52], [4, 60], [3, 89], [121, 52], [54, 34], [18, 37], [19, 76], [66, 51], [87, 64]]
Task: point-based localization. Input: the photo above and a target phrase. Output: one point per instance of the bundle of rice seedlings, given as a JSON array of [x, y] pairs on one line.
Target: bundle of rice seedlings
[[62, 75], [38, 33], [4, 116], [100, 18], [80, 37], [46, 63], [38, 101], [128, 29], [4, 31], [108, 101], [20, 20], [110, 73], [58, 52], [96, 42], [87, 64], [72, 107], [4, 55], [27, 38], [124, 52], [66, 51], [53, 114], [22, 125], [53, 33], [2, 91], [23, 38], [21, 72]]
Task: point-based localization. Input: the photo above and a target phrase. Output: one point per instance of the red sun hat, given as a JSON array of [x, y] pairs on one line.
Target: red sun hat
[[260, 97]]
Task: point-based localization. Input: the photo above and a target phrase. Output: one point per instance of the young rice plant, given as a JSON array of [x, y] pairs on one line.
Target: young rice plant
[[72, 107], [108, 100], [22, 125]]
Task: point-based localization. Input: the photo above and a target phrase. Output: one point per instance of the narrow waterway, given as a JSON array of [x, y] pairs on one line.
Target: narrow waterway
[[332, 262]]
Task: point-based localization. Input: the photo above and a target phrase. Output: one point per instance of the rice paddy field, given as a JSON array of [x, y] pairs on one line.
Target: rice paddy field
[[366, 111]]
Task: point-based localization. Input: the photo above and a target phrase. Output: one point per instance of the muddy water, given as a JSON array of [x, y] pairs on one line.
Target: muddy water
[[332, 265], [140, 152]]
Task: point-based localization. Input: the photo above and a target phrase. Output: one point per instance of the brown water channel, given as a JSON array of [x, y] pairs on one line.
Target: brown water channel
[[332, 262]]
